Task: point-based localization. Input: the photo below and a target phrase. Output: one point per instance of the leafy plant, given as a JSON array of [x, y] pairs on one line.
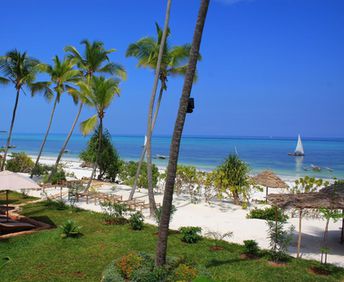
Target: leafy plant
[[114, 212], [136, 221], [128, 264], [58, 176], [158, 211], [20, 162], [190, 234], [70, 229], [187, 180], [280, 239], [268, 214], [251, 248], [232, 178], [128, 171], [185, 273], [108, 161], [308, 184], [218, 237]]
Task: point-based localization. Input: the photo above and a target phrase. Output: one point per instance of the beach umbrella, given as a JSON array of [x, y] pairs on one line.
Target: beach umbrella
[[10, 181], [269, 180]]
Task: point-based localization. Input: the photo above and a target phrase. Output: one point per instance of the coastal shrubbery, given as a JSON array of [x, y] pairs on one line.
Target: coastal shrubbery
[[114, 213], [128, 171], [20, 162], [136, 221], [108, 161], [268, 214], [190, 234], [70, 229]]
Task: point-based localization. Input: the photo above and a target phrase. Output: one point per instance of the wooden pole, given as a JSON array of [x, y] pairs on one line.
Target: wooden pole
[[276, 228], [267, 193], [299, 238]]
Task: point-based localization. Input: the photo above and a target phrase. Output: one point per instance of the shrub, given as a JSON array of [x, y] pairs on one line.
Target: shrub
[[280, 239], [158, 211], [136, 221], [70, 229], [58, 205], [251, 247], [190, 234], [218, 237], [114, 212], [108, 162], [185, 273], [58, 176], [268, 214], [20, 162], [231, 178], [42, 169], [128, 264], [128, 171], [145, 274]]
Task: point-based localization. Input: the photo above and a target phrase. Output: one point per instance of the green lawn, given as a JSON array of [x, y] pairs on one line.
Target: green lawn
[[45, 256], [14, 198]]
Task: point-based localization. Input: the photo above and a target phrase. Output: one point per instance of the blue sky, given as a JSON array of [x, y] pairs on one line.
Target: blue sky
[[269, 68]]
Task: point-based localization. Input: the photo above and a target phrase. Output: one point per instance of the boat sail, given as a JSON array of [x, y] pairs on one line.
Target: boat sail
[[299, 148]]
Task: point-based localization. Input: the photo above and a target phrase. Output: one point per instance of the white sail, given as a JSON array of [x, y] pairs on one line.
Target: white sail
[[299, 147]]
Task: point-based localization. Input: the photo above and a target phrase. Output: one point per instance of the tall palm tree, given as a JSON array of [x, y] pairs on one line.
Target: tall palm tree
[[174, 62], [98, 93], [94, 59], [157, 67], [62, 75], [177, 134], [20, 70]]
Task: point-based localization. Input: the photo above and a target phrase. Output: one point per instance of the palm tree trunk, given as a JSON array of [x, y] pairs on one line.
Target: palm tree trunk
[[143, 153], [177, 134], [152, 205], [11, 129], [100, 135], [64, 146], [45, 137]]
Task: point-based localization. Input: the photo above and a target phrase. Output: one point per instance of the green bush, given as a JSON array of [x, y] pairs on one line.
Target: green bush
[[70, 229], [20, 162], [190, 234], [58, 176], [251, 247], [114, 213], [185, 273], [136, 221], [57, 205], [42, 169], [128, 171], [108, 162], [158, 211], [268, 214]]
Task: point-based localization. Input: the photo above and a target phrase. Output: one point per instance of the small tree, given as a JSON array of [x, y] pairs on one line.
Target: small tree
[[20, 162], [280, 239], [128, 170], [308, 184], [108, 161], [232, 179], [187, 179]]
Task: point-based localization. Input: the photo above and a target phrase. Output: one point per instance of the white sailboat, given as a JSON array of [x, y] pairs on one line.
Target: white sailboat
[[299, 148]]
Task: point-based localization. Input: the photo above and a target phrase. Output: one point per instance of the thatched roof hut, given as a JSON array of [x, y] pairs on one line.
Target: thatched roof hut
[[331, 197], [269, 180]]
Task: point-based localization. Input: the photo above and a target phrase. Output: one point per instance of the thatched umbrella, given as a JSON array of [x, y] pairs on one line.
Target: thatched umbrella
[[331, 197], [10, 181], [269, 180]]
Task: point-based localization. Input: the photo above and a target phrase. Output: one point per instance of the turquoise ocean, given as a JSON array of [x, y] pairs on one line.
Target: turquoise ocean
[[207, 152]]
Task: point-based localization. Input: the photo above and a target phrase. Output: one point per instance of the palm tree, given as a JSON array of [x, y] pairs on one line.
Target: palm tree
[[62, 74], [177, 134], [98, 93], [157, 66], [173, 63], [95, 59], [20, 70]]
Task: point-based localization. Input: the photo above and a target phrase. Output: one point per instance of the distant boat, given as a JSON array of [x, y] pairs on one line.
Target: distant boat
[[299, 152], [315, 167], [162, 157]]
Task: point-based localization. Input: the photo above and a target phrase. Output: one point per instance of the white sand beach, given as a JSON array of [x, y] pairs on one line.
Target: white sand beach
[[223, 216]]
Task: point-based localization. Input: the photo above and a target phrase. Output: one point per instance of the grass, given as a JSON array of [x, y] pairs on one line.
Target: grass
[[45, 256], [15, 198]]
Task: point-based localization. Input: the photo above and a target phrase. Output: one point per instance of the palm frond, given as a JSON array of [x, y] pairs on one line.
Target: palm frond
[[88, 125], [42, 87], [4, 81]]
